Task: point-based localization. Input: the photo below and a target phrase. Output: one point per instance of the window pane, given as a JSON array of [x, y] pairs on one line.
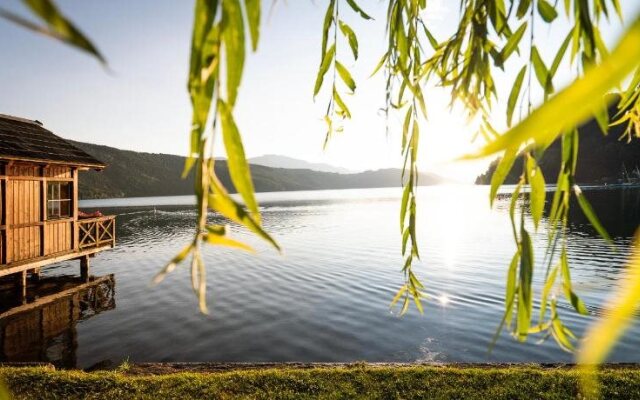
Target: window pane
[[65, 208], [58, 199]]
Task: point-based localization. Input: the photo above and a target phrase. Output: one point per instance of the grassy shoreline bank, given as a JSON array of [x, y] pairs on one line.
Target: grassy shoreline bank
[[365, 381]]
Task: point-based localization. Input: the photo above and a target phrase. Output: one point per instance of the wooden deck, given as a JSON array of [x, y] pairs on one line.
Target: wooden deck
[[94, 235]]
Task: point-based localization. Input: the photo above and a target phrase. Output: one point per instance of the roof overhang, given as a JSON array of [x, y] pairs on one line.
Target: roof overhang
[[86, 166]]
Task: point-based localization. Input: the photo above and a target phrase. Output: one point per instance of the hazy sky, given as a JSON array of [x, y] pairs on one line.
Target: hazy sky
[[143, 104]]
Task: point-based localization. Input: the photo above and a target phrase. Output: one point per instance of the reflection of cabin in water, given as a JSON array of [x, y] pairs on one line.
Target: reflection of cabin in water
[[43, 329], [39, 223]]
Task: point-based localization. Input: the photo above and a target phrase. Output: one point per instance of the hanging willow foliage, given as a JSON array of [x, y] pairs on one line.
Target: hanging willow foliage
[[488, 35]]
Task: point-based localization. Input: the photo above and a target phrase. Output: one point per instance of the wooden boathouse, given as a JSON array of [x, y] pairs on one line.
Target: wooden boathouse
[[39, 221]]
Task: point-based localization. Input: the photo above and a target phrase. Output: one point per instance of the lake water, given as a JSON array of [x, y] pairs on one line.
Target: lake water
[[326, 299]]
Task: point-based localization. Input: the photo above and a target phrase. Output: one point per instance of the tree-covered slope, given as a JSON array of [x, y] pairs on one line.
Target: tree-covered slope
[[601, 159], [136, 174]]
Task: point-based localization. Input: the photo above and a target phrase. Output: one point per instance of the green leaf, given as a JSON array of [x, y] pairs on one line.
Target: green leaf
[[432, 40], [357, 9], [324, 67], [511, 288], [253, 16], [328, 20], [232, 28], [559, 55], [575, 301], [547, 11], [380, 64], [525, 292], [171, 265], [341, 104], [223, 203], [576, 103], [548, 285], [621, 309], [523, 7], [515, 93], [512, 43], [221, 240], [590, 214], [4, 392], [502, 170], [59, 26], [538, 191], [236, 159], [560, 332], [398, 295], [346, 76], [199, 91], [542, 74], [404, 203], [351, 38]]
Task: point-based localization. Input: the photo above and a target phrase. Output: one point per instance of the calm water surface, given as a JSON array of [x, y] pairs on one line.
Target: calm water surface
[[327, 297]]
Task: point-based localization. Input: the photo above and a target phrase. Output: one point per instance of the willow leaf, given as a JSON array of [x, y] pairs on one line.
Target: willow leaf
[[221, 201], [546, 290], [525, 291], [222, 240], [351, 38], [502, 170], [511, 288], [515, 93], [341, 104], [4, 392], [542, 74], [233, 38], [602, 336], [576, 103], [559, 56], [200, 94], [238, 166], [538, 191], [523, 7], [328, 20], [253, 17], [404, 203], [171, 265], [383, 59], [398, 295], [591, 215], [346, 76], [59, 26], [357, 9], [547, 11], [559, 332], [573, 298], [324, 67], [512, 43]]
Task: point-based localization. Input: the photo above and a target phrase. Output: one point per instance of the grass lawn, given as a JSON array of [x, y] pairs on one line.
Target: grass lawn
[[359, 381]]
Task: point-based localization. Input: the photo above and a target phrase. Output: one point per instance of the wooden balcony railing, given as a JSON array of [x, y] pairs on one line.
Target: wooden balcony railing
[[97, 232]]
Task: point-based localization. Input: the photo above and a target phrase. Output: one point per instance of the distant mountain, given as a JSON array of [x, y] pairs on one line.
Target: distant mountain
[[276, 161], [137, 174], [601, 158]]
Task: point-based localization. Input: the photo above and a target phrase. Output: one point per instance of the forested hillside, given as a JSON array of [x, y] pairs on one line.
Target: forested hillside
[[136, 174], [602, 158]]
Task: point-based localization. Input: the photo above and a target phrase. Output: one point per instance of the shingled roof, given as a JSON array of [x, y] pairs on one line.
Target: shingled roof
[[26, 140]]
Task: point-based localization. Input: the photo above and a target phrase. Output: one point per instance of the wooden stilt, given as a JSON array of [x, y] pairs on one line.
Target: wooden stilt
[[35, 275], [21, 286], [84, 268]]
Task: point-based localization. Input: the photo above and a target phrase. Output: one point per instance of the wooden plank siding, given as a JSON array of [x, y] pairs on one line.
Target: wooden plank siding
[[23, 217], [58, 237], [25, 232]]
